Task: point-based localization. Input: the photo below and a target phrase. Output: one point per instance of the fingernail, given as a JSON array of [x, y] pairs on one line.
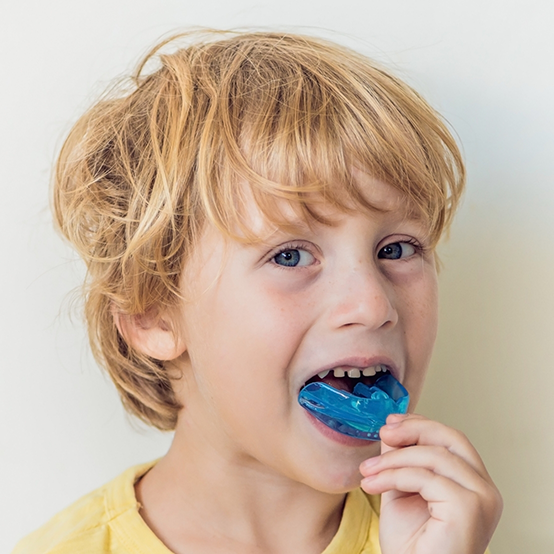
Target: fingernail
[[370, 462], [397, 417], [393, 425], [367, 480]]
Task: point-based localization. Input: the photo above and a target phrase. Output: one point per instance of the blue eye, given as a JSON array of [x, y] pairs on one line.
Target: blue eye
[[396, 251], [293, 257]]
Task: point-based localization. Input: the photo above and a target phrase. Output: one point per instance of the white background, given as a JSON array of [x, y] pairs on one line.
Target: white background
[[488, 66]]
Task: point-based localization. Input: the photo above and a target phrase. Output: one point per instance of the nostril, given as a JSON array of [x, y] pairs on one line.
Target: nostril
[[370, 304]]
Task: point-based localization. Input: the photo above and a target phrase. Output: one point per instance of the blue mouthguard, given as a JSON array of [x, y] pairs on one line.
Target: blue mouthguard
[[362, 412]]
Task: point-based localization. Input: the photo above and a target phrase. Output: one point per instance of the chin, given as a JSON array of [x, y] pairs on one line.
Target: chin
[[335, 478], [338, 483]]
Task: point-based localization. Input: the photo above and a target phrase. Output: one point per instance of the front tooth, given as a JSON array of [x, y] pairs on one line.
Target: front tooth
[[323, 374], [338, 372], [369, 371], [355, 373]]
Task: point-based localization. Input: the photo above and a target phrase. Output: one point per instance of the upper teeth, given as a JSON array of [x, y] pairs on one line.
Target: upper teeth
[[354, 372]]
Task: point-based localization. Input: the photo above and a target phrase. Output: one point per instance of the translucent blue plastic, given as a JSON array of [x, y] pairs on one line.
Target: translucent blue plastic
[[359, 414]]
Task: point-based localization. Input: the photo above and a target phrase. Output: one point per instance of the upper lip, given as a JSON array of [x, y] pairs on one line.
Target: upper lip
[[359, 362]]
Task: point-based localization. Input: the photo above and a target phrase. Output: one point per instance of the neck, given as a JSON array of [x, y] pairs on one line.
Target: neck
[[205, 497]]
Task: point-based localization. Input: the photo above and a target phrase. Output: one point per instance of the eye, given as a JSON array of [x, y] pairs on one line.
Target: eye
[[293, 257], [397, 250]]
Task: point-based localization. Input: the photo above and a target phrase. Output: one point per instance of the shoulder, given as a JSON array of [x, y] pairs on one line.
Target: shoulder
[[87, 525]]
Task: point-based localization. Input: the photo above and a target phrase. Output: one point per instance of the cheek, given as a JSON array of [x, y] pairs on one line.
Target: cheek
[[420, 322], [242, 343], [245, 329]]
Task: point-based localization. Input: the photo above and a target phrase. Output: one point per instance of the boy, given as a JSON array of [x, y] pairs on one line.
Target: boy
[[259, 213]]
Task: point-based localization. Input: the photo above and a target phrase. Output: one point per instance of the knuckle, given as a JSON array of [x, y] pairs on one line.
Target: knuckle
[[473, 502], [461, 436], [495, 501], [487, 502]]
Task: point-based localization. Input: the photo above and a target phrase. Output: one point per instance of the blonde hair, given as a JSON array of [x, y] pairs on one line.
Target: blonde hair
[[147, 167]]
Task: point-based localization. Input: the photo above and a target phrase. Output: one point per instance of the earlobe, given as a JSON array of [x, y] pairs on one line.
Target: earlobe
[[149, 334]]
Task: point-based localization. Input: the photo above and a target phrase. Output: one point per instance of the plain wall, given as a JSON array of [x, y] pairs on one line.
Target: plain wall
[[487, 66]]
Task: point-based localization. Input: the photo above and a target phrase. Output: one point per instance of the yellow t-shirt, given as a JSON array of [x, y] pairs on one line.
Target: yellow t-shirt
[[107, 521]]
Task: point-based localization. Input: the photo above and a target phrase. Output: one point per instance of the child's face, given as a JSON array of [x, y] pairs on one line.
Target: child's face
[[266, 318]]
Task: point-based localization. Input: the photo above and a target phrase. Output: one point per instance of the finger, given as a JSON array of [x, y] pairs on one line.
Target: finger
[[417, 430], [437, 459], [446, 499], [450, 506]]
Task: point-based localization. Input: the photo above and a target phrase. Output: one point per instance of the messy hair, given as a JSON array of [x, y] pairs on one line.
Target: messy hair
[[223, 116]]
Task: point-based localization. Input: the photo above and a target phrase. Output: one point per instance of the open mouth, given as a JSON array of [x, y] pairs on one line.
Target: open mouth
[[355, 402], [347, 377]]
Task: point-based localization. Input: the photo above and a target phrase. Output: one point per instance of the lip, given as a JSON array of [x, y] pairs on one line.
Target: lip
[[357, 362]]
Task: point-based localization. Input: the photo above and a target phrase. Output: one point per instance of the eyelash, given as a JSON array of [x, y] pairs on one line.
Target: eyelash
[[418, 247], [286, 248]]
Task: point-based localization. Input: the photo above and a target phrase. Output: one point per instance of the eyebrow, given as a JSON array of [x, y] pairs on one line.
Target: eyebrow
[[293, 227], [406, 212]]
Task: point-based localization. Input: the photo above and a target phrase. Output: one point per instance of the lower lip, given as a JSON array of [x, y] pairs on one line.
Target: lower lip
[[335, 436]]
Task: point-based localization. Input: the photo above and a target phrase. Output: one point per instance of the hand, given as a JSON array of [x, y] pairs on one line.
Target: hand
[[437, 497]]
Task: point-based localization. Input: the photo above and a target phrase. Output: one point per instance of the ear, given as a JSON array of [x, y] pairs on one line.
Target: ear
[[150, 334]]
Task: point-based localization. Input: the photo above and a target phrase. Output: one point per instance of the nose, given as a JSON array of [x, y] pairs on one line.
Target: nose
[[362, 296]]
